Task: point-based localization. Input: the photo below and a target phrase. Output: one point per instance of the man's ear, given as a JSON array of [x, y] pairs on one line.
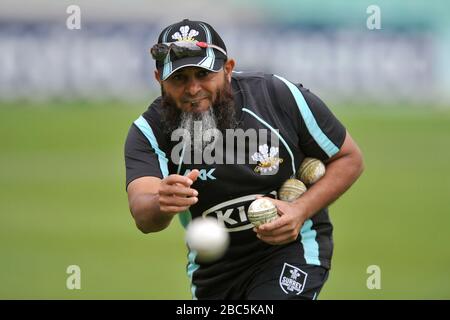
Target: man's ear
[[157, 76], [228, 68]]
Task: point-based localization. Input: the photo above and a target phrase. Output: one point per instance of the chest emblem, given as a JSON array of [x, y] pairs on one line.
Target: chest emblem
[[267, 159]]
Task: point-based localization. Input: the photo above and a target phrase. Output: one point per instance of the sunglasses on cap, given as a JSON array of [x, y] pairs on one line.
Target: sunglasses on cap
[[182, 49]]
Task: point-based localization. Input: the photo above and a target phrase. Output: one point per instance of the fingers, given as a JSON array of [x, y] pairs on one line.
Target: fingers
[[177, 185], [177, 201], [282, 229], [177, 190], [279, 239], [176, 178], [175, 204], [270, 227], [176, 194], [173, 209]]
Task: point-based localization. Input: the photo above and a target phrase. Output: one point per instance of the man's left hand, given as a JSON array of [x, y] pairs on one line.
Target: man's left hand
[[285, 228]]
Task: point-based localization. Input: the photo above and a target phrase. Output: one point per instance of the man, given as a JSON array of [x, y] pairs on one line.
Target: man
[[214, 142]]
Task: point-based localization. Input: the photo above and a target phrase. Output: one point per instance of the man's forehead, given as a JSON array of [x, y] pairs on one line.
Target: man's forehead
[[190, 69]]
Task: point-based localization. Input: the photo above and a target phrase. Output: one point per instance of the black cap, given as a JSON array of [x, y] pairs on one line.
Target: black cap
[[212, 60]]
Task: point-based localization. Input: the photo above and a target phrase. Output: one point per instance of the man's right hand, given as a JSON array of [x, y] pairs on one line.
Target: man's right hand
[[154, 201], [175, 192]]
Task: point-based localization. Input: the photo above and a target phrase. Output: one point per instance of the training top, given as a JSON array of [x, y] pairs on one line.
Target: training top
[[268, 107]]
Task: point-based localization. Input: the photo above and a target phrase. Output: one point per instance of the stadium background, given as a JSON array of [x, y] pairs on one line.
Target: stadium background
[[67, 98]]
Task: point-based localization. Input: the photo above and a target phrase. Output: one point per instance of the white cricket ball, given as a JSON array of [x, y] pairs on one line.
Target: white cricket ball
[[262, 211], [311, 170], [291, 190], [207, 238]]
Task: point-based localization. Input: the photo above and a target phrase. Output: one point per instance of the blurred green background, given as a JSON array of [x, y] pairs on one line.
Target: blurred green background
[[63, 202], [62, 172]]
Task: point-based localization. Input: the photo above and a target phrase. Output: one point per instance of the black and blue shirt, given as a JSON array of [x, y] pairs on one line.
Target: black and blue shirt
[[302, 126]]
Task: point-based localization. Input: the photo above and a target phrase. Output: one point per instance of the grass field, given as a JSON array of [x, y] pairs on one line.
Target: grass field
[[63, 202]]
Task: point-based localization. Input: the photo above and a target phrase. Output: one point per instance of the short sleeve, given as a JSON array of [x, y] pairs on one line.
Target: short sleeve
[[144, 145], [320, 133]]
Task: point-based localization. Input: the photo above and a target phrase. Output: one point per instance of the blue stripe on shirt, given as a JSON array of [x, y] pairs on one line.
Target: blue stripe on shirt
[[313, 128], [142, 124]]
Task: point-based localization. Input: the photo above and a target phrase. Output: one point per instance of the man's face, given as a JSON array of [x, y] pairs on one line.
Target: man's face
[[194, 89], [195, 94]]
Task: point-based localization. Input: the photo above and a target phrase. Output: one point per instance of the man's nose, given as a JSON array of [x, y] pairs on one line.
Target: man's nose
[[193, 86]]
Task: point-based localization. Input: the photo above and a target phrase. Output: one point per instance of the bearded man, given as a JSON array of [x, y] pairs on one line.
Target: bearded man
[[215, 141]]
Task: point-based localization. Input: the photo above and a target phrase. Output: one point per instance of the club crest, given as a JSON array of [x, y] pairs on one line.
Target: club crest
[[185, 34], [268, 162], [292, 279]]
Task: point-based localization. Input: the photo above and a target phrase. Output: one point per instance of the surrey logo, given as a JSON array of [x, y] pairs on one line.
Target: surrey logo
[[292, 279], [185, 35], [268, 162]]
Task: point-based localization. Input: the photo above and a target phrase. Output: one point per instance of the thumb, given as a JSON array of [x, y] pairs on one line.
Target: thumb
[[193, 175]]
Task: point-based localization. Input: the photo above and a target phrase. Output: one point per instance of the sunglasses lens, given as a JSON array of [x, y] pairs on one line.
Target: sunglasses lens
[[186, 49], [180, 49], [159, 51]]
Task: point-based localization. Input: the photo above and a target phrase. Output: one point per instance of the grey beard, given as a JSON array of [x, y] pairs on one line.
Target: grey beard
[[201, 127], [223, 110]]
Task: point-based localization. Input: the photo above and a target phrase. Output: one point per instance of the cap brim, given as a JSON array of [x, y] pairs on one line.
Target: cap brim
[[208, 63]]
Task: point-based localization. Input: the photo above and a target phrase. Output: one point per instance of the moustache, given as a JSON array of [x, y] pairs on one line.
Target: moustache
[[194, 99]]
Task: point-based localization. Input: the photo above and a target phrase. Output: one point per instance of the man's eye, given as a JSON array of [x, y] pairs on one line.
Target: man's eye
[[203, 73], [177, 77]]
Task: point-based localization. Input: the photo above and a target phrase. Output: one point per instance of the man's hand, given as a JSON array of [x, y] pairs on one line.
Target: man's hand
[[154, 202], [342, 171], [175, 193], [287, 227]]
